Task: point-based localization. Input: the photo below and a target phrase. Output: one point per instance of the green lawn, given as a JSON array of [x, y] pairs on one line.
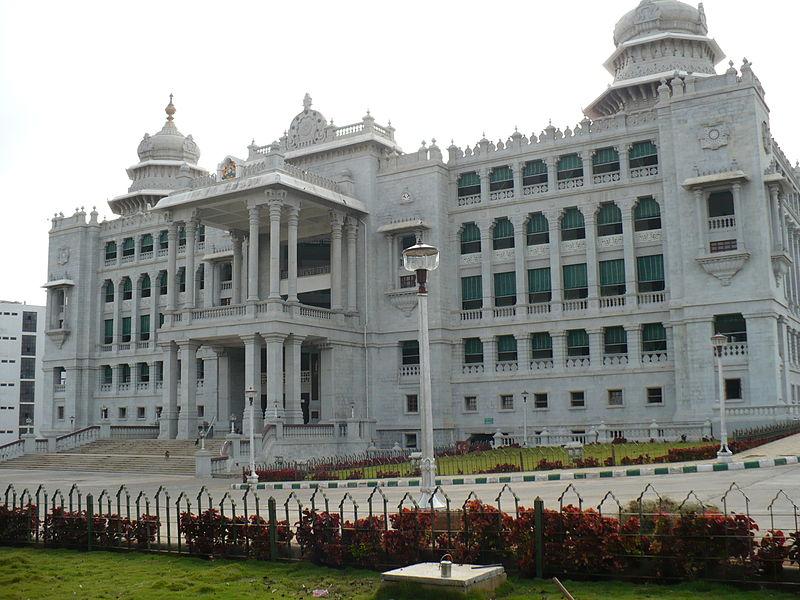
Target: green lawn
[[42, 574]]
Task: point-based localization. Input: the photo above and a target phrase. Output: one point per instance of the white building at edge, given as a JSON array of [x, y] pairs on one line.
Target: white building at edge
[[21, 375], [588, 266]]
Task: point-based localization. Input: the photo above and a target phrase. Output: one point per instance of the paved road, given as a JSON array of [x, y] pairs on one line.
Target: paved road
[[760, 486]]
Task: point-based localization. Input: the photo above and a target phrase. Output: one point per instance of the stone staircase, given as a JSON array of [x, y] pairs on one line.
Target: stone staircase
[[120, 456]]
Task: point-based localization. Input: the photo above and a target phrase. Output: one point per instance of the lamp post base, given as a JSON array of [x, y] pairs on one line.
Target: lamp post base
[[252, 479], [427, 499], [724, 454]]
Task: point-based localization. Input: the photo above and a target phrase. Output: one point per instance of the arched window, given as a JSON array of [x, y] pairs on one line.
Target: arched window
[[609, 219], [470, 239], [108, 290], [501, 178], [128, 247], [182, 279], [163, 239], [654, 337], [541, 345], [577, 342], [538, 230], [469, 184], [127, 289], [646, 214], [569, 166], [106, 375], [145, 289], [473, 350], [572, 225], [111, 250], [181, 236], [162, 283], [503, 234], [605, 160], [643, 154], [535, 171], [146, 243]]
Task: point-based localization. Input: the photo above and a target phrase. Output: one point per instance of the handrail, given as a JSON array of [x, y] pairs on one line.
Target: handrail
[[77, 432]]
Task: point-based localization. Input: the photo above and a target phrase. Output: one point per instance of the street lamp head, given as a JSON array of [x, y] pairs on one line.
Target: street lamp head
[[525, 396], [421, 257], [719, 340], [250, 394]]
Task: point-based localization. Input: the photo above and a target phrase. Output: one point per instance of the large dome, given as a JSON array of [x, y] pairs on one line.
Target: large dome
[[656, 16], [169, 143]]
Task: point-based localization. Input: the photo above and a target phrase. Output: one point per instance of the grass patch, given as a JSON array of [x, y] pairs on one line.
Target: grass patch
[[56, 574]]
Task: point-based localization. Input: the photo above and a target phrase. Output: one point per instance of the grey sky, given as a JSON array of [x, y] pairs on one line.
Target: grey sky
[[80, 83]]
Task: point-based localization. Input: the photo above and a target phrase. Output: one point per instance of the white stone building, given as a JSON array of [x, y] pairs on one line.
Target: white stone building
[[21, 375], [588, 266]]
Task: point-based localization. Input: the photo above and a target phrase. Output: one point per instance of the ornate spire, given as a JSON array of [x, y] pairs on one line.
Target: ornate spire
[[170, 109], [307, 101]]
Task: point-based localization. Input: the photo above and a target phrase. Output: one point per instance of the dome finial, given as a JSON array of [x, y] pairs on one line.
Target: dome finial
[[307, 101], [170, 110]]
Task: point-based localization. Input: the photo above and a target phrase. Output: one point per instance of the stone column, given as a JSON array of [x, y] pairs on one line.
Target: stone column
[[489, 354], [351, 235], [520, 247], [559, 341], [552, 173], [633, 337], [624, 162], [275, 408], [252, 378], [484, 175], [292, 221], [737, 208], [517, 169], [523, 351], [211, 389], [629, 252], [275, 209], [327, 383], [187, 420], [294, 410], [117, 332], [487, 282], [223, 390], [553, 218], [236, 269], [136, 285], [172, 270], [169, 403], [588, 170], [591, 256], [336, 260], [154, 295], [783, 351], [774, 212], [702, 222], [595, 346], [783, 211], [392, 267], [252, 254], [209, 283], [191, 235]]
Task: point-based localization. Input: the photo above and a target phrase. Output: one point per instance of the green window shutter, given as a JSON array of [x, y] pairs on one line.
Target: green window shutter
[[182, 276], [615, 335], [505, 284], [612, 272], [541, 341], [503, 228], [469, 179], [653, 332], [506, 343], [147, 240], [569, 162], [604, 156], [538, 280], [145, 282], [111, 250], [572, 219], [650, 268], [646, 208], [127, 244], [162, 279], [107, 374], [471, 288], [533, 168], [108, 327], [577, 338], [473, 347], [126, 325], [500, 174], [729, 323], [575, 276], [182, 236], [538, 224], [642, 149], [163, 238], [470, 233], [127, 286], [144, 323], [609, 213]]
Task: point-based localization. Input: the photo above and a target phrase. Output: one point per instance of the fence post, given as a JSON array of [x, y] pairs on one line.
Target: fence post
[[538, 533], [89, 520], [273, 529]]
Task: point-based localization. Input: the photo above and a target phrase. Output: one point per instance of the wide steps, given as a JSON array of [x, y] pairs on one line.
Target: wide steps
[[103, 463], [146, 447]]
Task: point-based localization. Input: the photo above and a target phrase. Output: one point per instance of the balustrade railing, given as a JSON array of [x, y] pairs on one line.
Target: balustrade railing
[[612, 301], [539, 308], [322, 430], [639, 172], [615, 360], [506, 366], [532, 190], [142, 386], [11, 450], [474, 314], [654, 357], [218, 312], [106, 347], [123, 387], [467, 200], [505, 311], [226, 285], [570, 184], [734, 349], [146, 255], [580, 362], [71, 440], [134, 432], [472, 368], [541, 364], [652, 297], [574, 305], [409, 370], [59, 388], [606, 177], [723, 222], [501, 194], [143, 345], [105, 387]]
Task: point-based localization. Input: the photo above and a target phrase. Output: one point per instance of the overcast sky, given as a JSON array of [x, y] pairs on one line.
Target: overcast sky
[[80, 83]]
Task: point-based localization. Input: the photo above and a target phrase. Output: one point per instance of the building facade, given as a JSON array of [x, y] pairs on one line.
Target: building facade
[[21, 375], [588, 267]]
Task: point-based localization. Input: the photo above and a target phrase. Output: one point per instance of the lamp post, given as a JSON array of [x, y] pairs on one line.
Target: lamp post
[[233, 422], [525, 418], [250, 393], [72, 423], [421, 258], [718, 341]]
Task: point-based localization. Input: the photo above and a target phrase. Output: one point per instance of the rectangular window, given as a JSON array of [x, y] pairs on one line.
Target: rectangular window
[[181, 236], [128, 247], [111, 250], [201, 369], [650, 273], [469, 184], [27, 368], [122, 412], [412, 404], [108, 290], [126, 329], [505, 289], [537, 230], [144, 327], [722, 246], [655, 395], [201, 411], [146, 243], [654, 337], [410, 441], [569, 166], [733, 389], [732, 325], [646, 214], [720, 204], [27, 391], [609, 220], [506, 348], [125, 373], [643, 154], [575, 282], [182, 279], [163, 239], [29, 322], [144, 372], [159, 368], [573, 225], [140, 412], [470, 404], [612, 277], [507, 402], [60, 413], [541, 345], [28, 345], [615, 398], [144, 290], [106, 374], [534, 172], [540, 400], [108, 331], [577, 342], [162, 283], [539, 285], [576, 400], [605, 160], [470, 239], [501, 178], [615, 340], [473, 350], [471, 292], [410, 352]]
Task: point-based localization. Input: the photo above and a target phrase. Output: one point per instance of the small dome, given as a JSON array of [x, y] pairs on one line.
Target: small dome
[[169, 143], [656, 16]]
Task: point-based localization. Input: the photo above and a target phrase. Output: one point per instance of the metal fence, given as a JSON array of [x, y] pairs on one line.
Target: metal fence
[[651, 537]]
